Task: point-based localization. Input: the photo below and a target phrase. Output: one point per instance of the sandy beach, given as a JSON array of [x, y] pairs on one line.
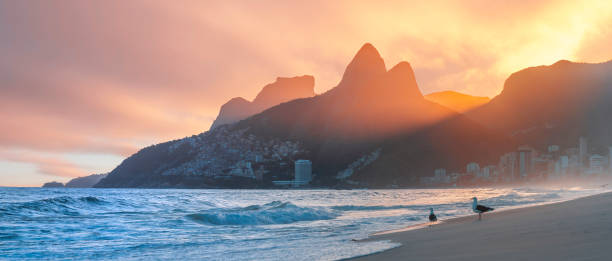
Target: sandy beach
[[579, 229]]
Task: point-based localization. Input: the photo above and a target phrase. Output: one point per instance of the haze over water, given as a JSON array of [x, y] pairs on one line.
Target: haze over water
[[104, 224]]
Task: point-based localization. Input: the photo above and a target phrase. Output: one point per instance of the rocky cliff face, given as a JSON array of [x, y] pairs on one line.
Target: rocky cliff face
[[282, 90], [86, 181], [53, 184], [221, 158], [232, 111]]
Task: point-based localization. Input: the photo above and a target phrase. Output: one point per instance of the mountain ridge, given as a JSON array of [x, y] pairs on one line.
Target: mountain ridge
[[553, 104], [367, 114], [283, 89]]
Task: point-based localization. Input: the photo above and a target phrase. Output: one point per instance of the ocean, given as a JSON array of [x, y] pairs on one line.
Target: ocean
[[156, 224]]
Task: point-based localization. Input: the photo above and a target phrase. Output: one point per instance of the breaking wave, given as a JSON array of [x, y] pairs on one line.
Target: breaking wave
[[523, 198], [275, 212], [64, 205]]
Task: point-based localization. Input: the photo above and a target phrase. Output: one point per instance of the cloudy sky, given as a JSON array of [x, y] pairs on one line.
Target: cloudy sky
[[86, 83]]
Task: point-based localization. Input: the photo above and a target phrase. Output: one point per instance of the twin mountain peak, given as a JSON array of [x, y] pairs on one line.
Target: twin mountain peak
[[365, 79]]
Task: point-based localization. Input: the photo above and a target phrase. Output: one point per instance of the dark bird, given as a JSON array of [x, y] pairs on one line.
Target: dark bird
[[432, 216], [479, 208]]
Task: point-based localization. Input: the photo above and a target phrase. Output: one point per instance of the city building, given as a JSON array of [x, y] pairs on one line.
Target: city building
[[556, 172], [596, 163], [525, 161], [553, 148], [488, 172], [259, 173], [610, 159], [303, 171], [439, 177], [564, 161], [563, 165], [302, 175], [528, 164], [440, 172], [508, 166], [243, 169], [543, 164], [473, 168], [573, 165], [582, 152]]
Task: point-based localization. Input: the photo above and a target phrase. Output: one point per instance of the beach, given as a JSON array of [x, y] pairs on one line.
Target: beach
[[579, 229]]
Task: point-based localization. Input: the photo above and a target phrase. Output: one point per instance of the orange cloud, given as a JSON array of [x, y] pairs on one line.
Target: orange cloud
[[113, 76], [45, 165]]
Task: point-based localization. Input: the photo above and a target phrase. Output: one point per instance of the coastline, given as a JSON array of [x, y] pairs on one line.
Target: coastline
[[576, 229]]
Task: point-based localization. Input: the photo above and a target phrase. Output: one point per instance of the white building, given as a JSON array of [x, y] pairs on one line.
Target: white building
[[525, 162], [564, 161], [440, 176], [596, 162], [473, 168], [610, 159], [440, 172], [303, 171], [488, 171], [563, 165], [557, 170], [582, 152], [553, 148], [302, 175], [508, 166]]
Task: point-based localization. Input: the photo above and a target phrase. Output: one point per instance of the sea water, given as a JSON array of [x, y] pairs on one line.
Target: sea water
[[135, 224]]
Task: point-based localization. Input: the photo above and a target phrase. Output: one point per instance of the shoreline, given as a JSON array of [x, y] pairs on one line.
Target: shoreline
[[443, 221], [527, 233]]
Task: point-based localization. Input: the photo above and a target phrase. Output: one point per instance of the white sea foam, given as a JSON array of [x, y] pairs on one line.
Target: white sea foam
[[275, 212]]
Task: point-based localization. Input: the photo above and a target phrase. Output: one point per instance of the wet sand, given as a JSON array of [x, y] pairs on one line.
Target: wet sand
[[579, 229]]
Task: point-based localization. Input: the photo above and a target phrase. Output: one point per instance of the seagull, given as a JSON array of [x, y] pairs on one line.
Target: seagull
[[432, 216], [479, 208]]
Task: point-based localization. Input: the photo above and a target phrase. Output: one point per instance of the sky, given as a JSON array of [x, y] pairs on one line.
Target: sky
[[84, 84]]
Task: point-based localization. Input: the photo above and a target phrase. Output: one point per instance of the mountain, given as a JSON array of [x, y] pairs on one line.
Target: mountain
[[369, 102], [232, 111], [85, 182], [282, 90], [382, 113], [458, 102], [374, 129], [53, 184], [554, 104]]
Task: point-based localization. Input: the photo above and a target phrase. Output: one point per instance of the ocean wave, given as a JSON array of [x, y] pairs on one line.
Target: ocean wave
[[8, 236], [275, 212], [370, 208], [63, 205], [514, 198]]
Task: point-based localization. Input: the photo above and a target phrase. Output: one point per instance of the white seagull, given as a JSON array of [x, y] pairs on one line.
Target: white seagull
[[479, 208]]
